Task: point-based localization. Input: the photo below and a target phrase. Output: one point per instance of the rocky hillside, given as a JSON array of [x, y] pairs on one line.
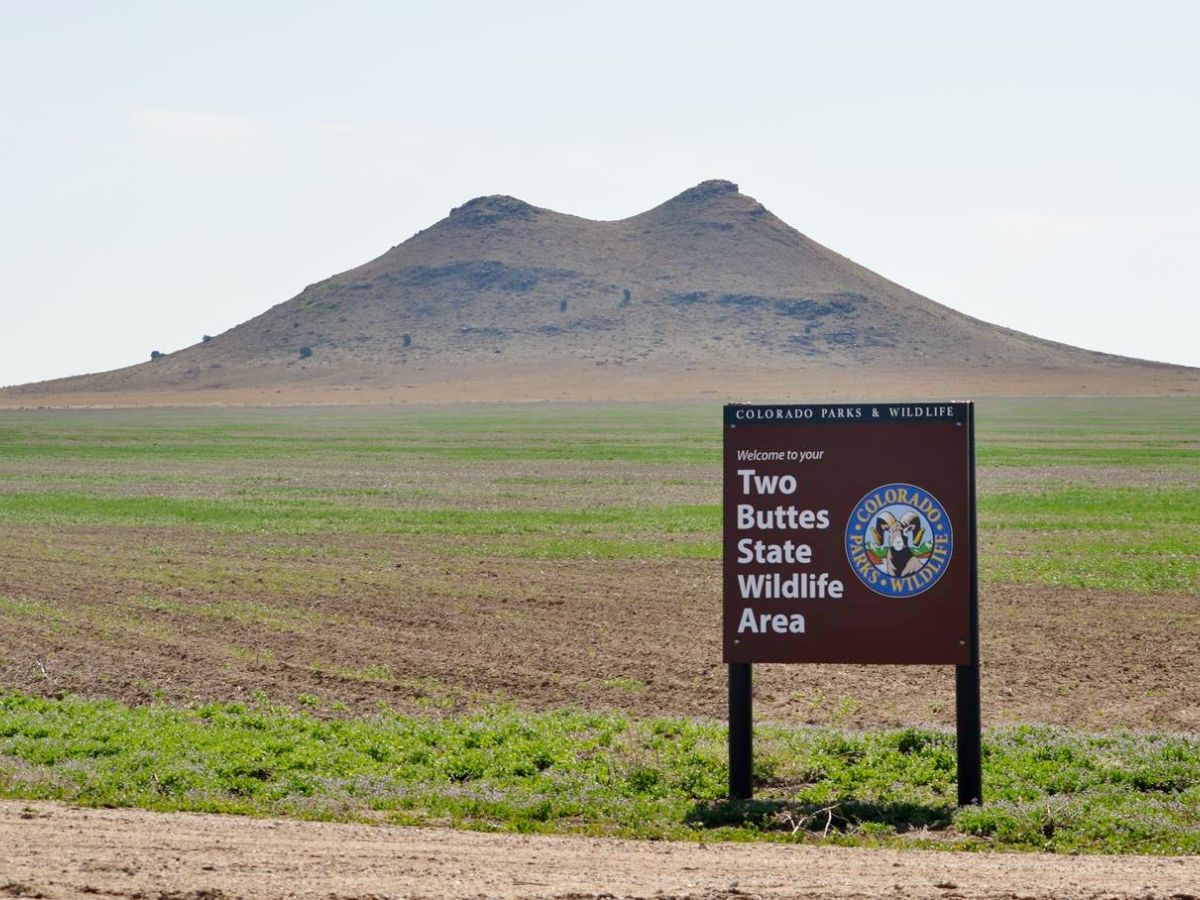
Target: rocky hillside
[[709, 280]]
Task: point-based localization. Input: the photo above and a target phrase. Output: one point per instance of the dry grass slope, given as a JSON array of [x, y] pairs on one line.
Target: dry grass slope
[[504, 300]]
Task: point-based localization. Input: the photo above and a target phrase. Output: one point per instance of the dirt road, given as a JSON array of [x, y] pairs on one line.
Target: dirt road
[[54, 851]]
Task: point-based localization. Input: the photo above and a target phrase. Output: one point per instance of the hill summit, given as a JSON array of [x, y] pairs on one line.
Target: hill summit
[[705, 292]]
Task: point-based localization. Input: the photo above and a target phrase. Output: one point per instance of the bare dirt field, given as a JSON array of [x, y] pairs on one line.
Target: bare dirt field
[[54, 851], [402, 626], [550, 556]]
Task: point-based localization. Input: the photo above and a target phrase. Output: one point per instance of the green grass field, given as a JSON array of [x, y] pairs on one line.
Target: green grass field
[[1117, 475], [601, 774], [1084, 495]]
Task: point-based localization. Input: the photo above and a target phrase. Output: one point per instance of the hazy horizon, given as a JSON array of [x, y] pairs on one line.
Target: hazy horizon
[[172, 172]]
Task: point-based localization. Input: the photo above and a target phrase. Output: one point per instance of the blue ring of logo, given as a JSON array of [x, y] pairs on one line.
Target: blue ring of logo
[[904, 514]]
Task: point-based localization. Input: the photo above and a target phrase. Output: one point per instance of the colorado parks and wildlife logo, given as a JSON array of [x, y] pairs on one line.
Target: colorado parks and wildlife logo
[[899, 540]]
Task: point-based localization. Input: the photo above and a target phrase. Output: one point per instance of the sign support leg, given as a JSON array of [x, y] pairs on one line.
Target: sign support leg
[[741, 732], [970, 749], [966, 678]]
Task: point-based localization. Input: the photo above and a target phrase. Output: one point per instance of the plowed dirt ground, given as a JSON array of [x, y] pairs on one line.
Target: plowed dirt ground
[[448, 558], [399, 624]]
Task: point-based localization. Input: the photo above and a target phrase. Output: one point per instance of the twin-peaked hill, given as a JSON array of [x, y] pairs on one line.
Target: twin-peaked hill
[[706, 295]]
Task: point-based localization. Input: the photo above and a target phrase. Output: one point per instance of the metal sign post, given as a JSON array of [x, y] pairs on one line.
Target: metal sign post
[[741, 732], [967, 718], [849, 537]]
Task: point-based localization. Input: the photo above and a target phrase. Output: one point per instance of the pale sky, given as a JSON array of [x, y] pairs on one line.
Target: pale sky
[[169, 170]]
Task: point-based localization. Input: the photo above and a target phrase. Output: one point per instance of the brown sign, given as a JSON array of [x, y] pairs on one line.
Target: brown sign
[[849, 533]]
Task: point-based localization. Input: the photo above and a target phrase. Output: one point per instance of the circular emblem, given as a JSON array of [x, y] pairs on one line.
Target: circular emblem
[[899, 540]]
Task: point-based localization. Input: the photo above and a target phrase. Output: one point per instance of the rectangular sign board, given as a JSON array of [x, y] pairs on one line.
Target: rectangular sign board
[[849, 533]]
